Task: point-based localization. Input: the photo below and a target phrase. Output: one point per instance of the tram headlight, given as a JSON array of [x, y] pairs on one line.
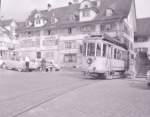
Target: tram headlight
[[89, 61]]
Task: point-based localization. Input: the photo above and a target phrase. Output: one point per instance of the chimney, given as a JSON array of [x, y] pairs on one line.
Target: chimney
[[49, 6]]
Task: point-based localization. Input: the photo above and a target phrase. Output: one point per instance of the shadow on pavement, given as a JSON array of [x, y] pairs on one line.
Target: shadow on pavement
[[140, 85]]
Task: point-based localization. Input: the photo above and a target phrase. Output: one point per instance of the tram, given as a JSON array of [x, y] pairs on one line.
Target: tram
[[103, 55]]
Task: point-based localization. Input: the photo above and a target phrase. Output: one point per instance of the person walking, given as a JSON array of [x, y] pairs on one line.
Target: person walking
[[27, 63], [43, 65]]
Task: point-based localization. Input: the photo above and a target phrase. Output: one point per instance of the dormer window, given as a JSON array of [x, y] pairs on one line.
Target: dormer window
[[86, 13], [109, 12], [37, 16], [38, 21], [53, 20]]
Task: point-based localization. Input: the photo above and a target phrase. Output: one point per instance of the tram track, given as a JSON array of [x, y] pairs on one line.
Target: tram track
[[25, 102]]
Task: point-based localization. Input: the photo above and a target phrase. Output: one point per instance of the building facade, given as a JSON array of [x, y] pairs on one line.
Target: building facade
[[142, 36], [58, 33], [142, 46], [7, 38]]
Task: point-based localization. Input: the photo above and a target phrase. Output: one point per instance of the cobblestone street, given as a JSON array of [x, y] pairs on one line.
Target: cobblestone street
[[68, 94]]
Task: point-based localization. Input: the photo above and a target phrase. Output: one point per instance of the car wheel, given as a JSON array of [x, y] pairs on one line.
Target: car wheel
[[4, 66], [148, 84], [19, 69]]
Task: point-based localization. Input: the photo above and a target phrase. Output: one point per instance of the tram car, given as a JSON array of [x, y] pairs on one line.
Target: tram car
[[104, 56]]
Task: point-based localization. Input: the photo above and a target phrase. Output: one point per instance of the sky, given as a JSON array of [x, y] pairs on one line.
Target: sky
[[20, 9]]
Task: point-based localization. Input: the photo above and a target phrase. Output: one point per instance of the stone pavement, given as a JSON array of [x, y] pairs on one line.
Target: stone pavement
[[115, 98], [68, 94]]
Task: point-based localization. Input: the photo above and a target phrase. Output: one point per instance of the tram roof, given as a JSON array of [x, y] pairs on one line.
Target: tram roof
[[105, 37]]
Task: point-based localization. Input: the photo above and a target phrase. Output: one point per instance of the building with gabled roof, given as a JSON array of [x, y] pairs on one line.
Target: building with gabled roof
[[57, 33], [7, 38]]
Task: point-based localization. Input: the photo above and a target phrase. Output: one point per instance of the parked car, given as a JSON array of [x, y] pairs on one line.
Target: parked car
[[18, 65], [50, 66], [148, 78], [1, 63], [34, 65]]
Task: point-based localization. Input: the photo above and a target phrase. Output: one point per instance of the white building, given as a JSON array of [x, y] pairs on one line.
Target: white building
[[58, 33], [7, 38]]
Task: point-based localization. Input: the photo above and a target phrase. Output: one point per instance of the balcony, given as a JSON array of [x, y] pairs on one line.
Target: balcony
[[113, 33]]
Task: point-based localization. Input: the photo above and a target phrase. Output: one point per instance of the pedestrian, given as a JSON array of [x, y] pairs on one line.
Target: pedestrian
[[51, 66], [27, 63], [43, 65]]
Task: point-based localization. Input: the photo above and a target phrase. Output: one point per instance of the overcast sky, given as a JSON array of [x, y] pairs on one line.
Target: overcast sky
[[19, 9]]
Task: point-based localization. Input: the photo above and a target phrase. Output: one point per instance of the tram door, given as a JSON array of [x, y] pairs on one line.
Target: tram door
[[109, 57]]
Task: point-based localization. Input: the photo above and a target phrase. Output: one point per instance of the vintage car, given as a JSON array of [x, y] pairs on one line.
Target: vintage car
[[1, 63], [14, 65], [19, 65], [148, 78], [50, 66]]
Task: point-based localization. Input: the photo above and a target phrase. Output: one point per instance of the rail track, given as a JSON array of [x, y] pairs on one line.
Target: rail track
[[25, 102]]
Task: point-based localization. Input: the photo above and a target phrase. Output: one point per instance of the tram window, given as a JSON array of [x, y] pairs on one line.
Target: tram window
[[84, 49], [115, 53], [98, 50], [118, 54], [104, 50], [91, 49]]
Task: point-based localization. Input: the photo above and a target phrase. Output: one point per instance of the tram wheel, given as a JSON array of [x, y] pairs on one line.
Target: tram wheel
[[108, 76]]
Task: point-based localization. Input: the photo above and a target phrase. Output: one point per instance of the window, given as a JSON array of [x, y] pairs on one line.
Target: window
[[49, 55], [49, 42], [91, 49], [98, 51], [38, 55], [144, 49], [84, 49], [70, 30], [118, 54], [49, 32], [70, 58], [29, 34], [86, 28], [115, 53], [37, 16], [104, 50], [53, 20], [86, 13], [141, 39], [38, 21], [68, 45], [109, 12], [126, 29], [107, 27]]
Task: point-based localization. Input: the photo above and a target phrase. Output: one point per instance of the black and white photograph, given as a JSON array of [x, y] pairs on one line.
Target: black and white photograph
[[74, 58]]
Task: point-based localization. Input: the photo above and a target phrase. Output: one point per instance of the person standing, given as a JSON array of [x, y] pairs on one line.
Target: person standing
[[27, 62], [43, 65]]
